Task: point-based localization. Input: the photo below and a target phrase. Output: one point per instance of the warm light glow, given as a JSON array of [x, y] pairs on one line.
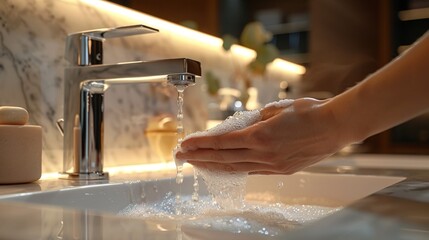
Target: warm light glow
[[414, 14], [51, 175], [142, 168], [212, 123], [243, 52], [229, 92], [194, 36], [161, 228], [288, 66], [157, 23], [152, 79]]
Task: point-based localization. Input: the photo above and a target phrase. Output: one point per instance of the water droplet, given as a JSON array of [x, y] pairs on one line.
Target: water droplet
[[179, 178]]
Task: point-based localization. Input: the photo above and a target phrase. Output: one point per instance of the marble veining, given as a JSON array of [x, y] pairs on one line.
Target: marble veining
[[32, 41]]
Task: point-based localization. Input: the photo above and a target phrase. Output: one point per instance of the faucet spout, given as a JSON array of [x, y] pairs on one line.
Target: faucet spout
[[137, 72], [88, 78]]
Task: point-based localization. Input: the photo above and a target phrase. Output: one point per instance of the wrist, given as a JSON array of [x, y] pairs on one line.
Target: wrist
[[346, 120]]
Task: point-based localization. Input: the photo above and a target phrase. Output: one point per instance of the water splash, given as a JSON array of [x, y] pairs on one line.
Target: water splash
[[180, 135], [196, 185], [267, 219]]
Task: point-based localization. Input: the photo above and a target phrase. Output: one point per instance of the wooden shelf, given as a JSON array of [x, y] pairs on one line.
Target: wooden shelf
[[285, 28], [414, 14], [298, 58]]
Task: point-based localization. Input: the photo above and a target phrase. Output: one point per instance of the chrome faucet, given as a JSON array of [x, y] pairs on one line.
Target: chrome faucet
[[86, 80]]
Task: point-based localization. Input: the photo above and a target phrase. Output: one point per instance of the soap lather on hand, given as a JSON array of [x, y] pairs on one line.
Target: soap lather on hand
[[239, 121]]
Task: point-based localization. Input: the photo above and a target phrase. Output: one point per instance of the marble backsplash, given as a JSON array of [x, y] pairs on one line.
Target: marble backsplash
[[32, 41]]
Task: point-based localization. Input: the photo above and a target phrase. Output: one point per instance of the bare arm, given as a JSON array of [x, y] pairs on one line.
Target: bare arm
[[396, 93], [289, 139]]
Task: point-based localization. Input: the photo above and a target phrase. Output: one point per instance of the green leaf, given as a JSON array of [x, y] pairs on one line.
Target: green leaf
[[257, 67], [213, 83], [266, 53], [228, 41], [190, 24], [254, 35]]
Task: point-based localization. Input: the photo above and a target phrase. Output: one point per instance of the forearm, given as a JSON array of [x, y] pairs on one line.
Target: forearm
[[392, 95]]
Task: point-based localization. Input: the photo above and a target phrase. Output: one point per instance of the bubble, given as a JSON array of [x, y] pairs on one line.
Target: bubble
[[280, 104], [266, 219], [226, 188], [236, 122]]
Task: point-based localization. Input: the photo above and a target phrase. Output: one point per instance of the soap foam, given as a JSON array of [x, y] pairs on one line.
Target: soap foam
[[238, 121], [267, 219], [280, 104], [227, 188]]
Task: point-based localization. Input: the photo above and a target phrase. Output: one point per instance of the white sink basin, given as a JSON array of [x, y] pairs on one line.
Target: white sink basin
[[378, 161], [301, 189]]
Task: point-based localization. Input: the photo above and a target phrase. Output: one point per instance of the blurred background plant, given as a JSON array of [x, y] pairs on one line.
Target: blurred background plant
[[255, 37]]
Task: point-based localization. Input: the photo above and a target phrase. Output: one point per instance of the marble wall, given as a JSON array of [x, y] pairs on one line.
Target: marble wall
[[32, 41]]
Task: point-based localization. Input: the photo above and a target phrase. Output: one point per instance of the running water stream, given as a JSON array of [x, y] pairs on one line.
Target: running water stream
[[179, 165], [180, 135]]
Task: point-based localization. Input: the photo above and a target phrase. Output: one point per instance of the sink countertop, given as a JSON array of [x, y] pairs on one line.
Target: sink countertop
[[54, 181], [400, 211]]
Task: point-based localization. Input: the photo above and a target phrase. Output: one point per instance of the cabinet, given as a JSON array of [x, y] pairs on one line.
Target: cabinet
[[409, 21], [289, 22]]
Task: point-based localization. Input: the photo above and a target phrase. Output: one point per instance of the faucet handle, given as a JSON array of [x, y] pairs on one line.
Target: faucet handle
[[86, 48], [119, 31]]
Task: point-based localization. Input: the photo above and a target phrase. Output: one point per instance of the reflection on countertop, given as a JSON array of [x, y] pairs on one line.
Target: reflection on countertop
[[55, 181], [414, 167]]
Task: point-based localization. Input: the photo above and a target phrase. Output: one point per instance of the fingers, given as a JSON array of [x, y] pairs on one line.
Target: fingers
[[224, 156], [234, 167], [249, 167], [231, 140], [263, 173], [245, 160]]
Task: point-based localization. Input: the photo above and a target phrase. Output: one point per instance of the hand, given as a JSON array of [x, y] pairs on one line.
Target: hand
[[285, 141]]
